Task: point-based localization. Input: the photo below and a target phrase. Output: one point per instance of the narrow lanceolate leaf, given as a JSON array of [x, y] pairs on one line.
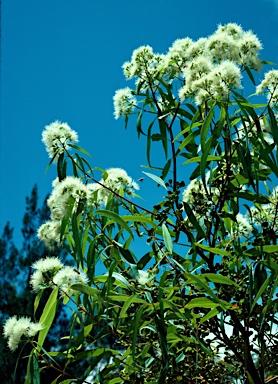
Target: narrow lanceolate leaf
[[167, 238], [270, 248], [205, 127], [202, 302], [115, 218], [135, 330], [262, 289], [197, 159], [129, 301], [204, 158], [220, 279], [85, 289], [157, 179], [48, 315], [119, 279], [139, 219], [215, 251], [213, 312], [79, 149], [35, 372]]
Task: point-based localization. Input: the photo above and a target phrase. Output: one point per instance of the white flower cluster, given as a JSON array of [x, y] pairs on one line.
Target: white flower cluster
[[124, 102], [68, 193], [202, 202], [144, 277], [242, 226], [204, 79], [15, 328], [270, 85], [117, 180], [230, 42], [56, 138], [66, 277], [209, 67], [252, 131], [267, 213], [71, 192], [45, 269], [143, 63], [51, 272], [196, 196]]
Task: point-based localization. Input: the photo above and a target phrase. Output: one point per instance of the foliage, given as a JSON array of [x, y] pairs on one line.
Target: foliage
[[184, 291], [16, 296]]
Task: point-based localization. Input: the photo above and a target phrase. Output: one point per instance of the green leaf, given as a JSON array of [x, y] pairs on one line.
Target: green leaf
[[270, 248], [76, 237], [167, 238], [37, 300], [157, 179], [220, 279], [48, 315], [85, 289], [204, 159], [201, 302], [35, 372], [250, 75], [215, 251], [135, 330], [205, 128], [140, 219], [209, 315], [149, 141], [192, 279], [163, 132], [188, 139], [79, 149], [119, 279], [197, 159], [116, 380], [99, 352], [273, 124], [166, 169], [115, 218], [181, 357], [139, 123], [128, 302], [193, 220], [262, 289]]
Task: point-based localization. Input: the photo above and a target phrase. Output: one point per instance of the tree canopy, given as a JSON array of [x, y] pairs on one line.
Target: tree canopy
[[186, 290]]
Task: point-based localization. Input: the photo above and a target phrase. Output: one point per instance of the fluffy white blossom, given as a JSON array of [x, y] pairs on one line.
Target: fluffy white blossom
[[178, 53], [143, 61], [242, 226], [59, 201], [251, 131], [124, 102], [231, 42], [15, 328], [68, 276], [194, 190], [57, 136], [270, 85], [144, 277], [117, 180], [49, 233], [205, 80], [45, 270]]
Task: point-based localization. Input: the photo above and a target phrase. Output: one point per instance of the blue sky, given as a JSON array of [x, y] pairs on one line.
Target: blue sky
[[61, 59]]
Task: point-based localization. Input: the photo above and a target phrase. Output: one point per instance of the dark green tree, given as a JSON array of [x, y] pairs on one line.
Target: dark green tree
[[16, 298]]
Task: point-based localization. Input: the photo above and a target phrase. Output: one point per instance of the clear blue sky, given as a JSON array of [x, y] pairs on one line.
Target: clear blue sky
[[61, 59]]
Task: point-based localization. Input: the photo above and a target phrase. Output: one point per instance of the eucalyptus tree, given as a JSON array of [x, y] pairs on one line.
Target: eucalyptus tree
[[188, 292]]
